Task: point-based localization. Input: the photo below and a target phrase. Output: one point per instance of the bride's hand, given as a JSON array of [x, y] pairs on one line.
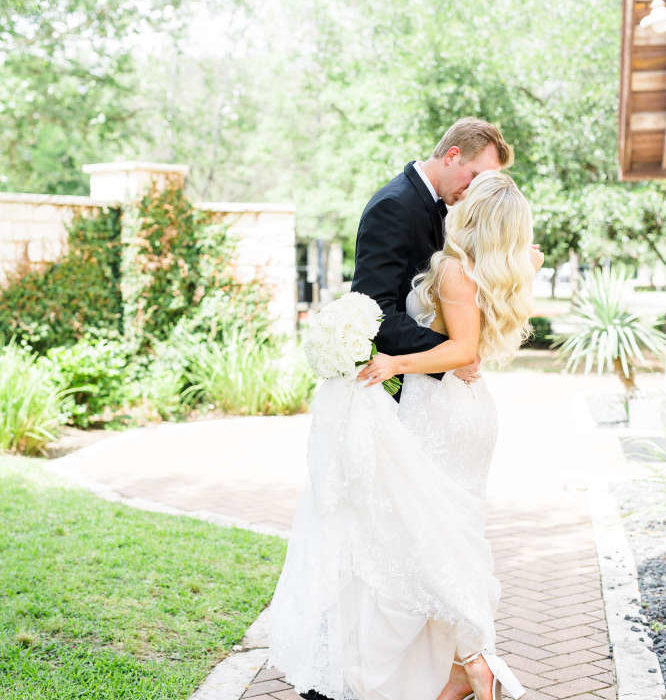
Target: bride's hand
[[379, 368]]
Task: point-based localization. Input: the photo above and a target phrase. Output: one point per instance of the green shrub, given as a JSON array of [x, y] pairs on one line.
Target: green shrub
[[164, 384], [222, 313], [226, 305], [161, 270], [179, 295], [31, 406], [93, 370], [161, 375], [247, 377], [58, 305], [542, 331]]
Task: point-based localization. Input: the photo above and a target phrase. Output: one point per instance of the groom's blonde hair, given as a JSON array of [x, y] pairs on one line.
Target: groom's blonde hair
[[471, 136]]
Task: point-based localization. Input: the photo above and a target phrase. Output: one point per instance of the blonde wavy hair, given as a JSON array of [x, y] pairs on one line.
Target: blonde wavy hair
[[489, 233]]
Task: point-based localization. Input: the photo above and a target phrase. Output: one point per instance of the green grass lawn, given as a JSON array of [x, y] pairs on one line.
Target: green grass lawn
[[99, 600]]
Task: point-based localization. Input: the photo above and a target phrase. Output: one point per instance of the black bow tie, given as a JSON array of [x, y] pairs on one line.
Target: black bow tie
[[441, 207]]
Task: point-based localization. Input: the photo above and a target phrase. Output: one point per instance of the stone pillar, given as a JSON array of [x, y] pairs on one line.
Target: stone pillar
[[334, 269], [127, 181]]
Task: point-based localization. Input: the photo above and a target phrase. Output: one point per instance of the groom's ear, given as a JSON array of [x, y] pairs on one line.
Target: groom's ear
[[450, 155]]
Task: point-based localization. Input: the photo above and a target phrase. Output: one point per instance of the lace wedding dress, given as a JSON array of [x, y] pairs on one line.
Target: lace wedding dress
[[387, 572]]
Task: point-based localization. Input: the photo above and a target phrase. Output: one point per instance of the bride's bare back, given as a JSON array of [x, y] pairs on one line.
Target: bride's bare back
[[456, 291]]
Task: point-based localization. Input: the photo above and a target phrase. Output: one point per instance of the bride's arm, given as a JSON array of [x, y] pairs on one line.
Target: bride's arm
[[463, 322]]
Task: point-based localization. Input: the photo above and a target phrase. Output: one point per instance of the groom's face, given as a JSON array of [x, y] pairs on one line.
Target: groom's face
[[457, 174]]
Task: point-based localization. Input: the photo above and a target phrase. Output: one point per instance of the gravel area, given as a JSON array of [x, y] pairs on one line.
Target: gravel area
[[642, 504]]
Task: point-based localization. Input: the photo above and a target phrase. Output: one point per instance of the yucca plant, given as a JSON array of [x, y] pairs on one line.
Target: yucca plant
[[606, 333], [651, 449]]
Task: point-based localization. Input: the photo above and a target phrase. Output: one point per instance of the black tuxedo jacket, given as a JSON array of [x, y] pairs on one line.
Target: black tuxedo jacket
[[400, 228]]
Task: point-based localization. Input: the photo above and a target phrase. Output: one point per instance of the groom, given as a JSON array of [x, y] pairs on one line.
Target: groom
[[402, 226]]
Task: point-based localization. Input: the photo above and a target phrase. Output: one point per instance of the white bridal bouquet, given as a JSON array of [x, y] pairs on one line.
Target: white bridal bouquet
[[340, 337]]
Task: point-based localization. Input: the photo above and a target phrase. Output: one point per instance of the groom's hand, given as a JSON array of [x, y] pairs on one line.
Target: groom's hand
[[469, 373], [536, 256]]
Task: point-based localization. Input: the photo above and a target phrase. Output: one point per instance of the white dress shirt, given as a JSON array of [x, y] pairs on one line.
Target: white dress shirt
[[424, 177]]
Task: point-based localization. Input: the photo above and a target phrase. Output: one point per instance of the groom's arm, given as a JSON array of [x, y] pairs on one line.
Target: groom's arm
[[382, 252]]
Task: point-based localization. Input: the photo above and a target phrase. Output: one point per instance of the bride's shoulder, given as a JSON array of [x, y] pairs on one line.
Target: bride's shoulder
[[454, 283]]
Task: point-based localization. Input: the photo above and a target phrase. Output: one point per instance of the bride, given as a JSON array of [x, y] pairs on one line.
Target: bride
[[388, 592]]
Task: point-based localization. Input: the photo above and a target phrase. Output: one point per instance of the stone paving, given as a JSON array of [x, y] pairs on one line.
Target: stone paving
[[249, 469]]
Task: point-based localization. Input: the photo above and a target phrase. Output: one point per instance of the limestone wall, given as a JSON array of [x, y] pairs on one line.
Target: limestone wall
[[33, 230]]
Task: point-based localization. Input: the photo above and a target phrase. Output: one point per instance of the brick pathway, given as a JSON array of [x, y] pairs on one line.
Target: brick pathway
[[551, 628]]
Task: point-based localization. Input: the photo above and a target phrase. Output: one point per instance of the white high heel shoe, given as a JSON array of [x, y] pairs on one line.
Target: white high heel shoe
[[503, 676]]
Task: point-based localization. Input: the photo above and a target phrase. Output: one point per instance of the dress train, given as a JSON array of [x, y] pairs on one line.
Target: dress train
[[388, 573]]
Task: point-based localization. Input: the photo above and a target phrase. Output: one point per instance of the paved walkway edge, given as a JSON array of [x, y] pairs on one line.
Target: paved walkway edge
[[103, 491], [231, 677], [637, 670]]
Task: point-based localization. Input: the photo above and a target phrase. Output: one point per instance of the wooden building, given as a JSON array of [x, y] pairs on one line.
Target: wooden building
[[642, 144]]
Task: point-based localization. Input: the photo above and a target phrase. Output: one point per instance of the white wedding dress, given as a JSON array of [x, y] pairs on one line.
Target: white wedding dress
[[388, 572]]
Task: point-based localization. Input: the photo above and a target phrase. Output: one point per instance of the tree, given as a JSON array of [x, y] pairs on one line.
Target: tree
[[558, 221], [67, 86], [322, 103], [624, 223]]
